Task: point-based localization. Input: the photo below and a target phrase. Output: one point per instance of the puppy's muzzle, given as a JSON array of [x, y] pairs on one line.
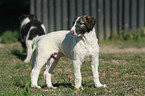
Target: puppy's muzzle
[[72, 32]]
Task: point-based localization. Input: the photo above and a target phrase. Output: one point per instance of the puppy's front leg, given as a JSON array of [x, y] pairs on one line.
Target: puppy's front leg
[[77, 74], [94, 65]]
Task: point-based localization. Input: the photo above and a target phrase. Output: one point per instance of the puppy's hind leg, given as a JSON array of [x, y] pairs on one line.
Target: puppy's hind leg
[[40, 61], [29, 50], [48, 72]]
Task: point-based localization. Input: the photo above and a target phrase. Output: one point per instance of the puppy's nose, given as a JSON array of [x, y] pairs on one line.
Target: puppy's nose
[[72, 32]]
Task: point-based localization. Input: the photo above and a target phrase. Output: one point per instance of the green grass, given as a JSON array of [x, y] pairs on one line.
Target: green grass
[[123, 73], [10, 37], [125, 43]]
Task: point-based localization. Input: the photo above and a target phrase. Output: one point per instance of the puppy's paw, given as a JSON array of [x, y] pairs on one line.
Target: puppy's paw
[[52, 87], [34, 86], [100, 85], [79, 89], [26, 61]]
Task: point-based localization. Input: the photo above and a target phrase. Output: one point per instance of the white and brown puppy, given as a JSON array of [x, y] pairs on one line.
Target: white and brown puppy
[[77, 44], [30, 29]]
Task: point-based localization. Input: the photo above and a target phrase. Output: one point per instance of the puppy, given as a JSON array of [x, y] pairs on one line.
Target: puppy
[[77, 44], [30, 29]]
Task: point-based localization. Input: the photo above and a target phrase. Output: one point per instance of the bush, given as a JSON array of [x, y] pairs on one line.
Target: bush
[[10, 36], [138, 35]]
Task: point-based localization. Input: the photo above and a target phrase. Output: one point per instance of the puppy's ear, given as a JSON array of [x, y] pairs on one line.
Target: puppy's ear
[[22, 17], [75, 19], [32, 17], [91, 22]]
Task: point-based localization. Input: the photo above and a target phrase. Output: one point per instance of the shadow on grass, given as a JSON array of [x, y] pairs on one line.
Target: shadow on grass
[[19, 84], [89, 86], [66, 85], [19, 54]]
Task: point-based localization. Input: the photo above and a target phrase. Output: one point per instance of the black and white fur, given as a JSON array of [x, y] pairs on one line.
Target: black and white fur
[[77, 44], [30, 29]]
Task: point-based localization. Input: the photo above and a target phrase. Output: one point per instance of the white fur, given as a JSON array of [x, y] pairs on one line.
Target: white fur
[[74, 27], [43, 28], [29, 44], [62, 43], [25, 21]]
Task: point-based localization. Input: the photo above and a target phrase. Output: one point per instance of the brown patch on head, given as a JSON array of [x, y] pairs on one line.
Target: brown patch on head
[[82, 24], [85, 16], [90, 22]]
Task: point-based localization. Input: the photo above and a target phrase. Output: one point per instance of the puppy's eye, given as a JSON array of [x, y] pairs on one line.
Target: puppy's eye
[[82, 23]]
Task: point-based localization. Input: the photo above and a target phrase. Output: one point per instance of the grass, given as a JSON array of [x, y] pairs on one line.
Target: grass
[[125, 43], [123, 73], [10, 37]]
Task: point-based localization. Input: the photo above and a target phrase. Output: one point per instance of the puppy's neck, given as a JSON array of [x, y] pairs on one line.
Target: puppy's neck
[[90, 37], [25, 21]]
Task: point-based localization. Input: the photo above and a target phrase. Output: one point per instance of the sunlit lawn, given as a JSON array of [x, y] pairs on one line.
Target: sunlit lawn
[[123, 73]]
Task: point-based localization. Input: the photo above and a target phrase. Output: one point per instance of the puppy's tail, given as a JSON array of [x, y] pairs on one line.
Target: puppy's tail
[[35, 42], [33, 59]]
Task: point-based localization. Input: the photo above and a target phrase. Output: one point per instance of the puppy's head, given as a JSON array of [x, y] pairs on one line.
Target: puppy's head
[[82, 24], [30, 17]]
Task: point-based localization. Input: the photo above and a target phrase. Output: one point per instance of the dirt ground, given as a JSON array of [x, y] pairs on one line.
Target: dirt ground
[[111, 49]]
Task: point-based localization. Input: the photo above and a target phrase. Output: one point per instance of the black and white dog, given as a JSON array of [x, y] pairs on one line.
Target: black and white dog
[[77, 44], [30, 29]]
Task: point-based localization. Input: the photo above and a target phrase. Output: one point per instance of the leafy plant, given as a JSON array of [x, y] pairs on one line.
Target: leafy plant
[[10, 36], [138, 35]]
